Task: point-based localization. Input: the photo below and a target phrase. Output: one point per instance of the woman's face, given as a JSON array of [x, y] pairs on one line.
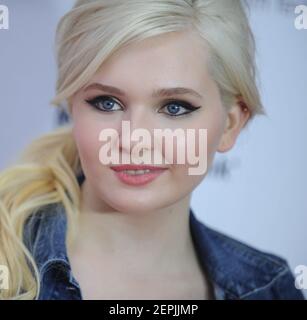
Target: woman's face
[[165, 61]]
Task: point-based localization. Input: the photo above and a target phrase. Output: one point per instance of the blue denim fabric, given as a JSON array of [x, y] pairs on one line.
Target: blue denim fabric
[[235, 270]]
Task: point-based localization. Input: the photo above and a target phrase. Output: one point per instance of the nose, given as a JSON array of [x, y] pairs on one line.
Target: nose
[[136, 130]]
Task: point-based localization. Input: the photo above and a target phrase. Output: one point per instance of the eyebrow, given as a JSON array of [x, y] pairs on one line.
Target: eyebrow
[[164, 92]]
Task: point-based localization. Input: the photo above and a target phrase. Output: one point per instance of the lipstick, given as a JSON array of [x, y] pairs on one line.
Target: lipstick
[[137, 175]]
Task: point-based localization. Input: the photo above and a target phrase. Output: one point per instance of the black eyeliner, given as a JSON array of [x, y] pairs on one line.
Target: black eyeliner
[[92, 102]]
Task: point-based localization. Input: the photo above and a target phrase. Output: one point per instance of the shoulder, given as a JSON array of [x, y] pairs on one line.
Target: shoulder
[[42, 228], [35, 220], [241, 271]]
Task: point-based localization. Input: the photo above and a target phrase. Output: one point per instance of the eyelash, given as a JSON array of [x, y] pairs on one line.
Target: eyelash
[[93, 102]]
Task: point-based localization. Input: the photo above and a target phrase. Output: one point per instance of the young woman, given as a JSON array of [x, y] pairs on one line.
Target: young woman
[[75, 227]]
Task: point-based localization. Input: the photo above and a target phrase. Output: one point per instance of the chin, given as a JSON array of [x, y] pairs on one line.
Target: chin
[[134, 206]]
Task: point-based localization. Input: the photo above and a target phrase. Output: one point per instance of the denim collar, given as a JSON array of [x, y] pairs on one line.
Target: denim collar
[[235, 270]]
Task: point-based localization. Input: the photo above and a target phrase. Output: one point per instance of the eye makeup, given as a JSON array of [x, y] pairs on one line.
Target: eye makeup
[[173, 107]]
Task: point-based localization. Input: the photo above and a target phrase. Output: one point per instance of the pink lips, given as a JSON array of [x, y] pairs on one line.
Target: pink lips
[[137, 180]]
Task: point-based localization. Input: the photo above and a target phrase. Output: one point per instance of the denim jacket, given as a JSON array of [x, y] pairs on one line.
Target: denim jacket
[[236, 271]]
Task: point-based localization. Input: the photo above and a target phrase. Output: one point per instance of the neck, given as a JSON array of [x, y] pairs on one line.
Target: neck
[[157, 238]]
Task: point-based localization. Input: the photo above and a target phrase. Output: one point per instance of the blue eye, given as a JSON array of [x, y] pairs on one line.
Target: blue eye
[[104, 103], [174, 108], [178, 108]]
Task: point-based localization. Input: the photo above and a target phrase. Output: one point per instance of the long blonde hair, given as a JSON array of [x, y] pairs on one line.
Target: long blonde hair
[[85, 37]]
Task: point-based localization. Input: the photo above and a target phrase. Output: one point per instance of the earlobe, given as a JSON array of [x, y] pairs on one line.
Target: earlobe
[[237, 117]]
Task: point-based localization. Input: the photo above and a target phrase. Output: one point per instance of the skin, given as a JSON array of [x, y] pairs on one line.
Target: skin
[[135, 238]]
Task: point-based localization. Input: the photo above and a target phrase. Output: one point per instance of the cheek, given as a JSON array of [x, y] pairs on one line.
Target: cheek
[[214, 123], [193, 152], [200, 153], [86, 135]]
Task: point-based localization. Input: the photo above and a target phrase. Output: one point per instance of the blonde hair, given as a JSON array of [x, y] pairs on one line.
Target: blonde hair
[[86, 36]]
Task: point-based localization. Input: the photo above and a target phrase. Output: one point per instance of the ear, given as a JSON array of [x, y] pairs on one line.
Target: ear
[[237, 117]]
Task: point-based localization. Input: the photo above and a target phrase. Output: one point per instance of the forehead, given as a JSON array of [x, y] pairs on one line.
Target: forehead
[[172, 59]]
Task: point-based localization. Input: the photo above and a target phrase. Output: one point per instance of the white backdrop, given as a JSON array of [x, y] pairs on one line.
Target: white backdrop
[[258, 191]]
